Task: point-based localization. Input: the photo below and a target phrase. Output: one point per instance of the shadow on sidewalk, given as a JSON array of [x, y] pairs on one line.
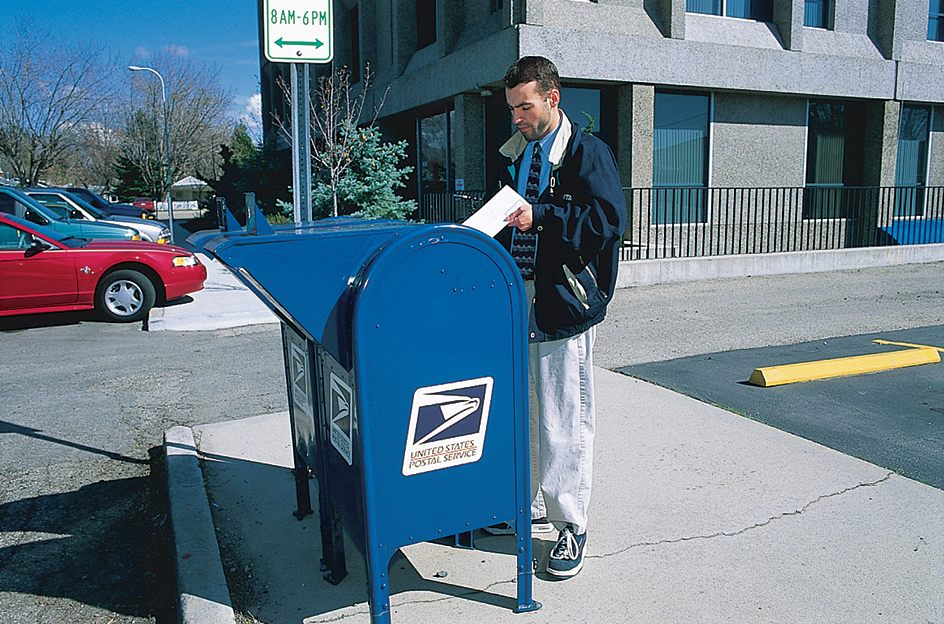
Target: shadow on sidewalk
[[252, 504]]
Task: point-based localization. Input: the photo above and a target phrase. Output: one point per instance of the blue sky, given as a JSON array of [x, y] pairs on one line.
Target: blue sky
[[220, 33]]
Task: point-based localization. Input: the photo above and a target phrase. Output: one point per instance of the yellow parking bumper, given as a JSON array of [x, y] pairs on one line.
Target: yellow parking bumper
[[855, 365]]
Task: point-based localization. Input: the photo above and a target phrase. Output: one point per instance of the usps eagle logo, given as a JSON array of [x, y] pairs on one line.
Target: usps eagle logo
[[447, 425], [341, 413]]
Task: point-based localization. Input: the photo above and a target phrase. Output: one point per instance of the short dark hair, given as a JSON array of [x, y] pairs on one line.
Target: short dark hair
[[533, 68]]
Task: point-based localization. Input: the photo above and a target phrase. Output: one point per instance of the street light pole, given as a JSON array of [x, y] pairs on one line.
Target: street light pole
[[170, 182]]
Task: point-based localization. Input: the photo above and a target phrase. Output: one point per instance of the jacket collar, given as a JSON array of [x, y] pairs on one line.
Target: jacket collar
[[515, 146]]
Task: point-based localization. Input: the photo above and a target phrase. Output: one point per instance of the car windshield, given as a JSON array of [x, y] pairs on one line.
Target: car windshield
[[35, 205], [62, 239], [89, 197], [95, 212]]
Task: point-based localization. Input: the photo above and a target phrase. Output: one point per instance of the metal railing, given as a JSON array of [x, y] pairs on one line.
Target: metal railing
[[450, 207], [696, 222]]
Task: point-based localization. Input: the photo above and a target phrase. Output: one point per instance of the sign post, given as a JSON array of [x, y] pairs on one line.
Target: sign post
[[301, 142], [299, 32]]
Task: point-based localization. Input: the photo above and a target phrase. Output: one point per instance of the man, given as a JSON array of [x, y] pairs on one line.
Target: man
[[566, 243]]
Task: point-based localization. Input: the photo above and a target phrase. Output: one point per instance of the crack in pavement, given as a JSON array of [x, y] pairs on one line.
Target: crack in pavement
[[361, 609], [759, 525]]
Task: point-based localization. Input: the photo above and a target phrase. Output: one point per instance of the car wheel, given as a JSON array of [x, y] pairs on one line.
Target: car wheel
[[124, 296]]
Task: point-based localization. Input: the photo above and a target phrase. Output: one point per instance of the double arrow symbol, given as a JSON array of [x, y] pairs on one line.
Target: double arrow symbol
[[317, 43]]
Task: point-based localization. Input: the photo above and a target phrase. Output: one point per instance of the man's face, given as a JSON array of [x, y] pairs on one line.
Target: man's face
[[534, 114]]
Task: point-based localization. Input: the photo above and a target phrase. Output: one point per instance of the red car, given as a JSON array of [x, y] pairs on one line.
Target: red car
[[44, 271], [144, 203]]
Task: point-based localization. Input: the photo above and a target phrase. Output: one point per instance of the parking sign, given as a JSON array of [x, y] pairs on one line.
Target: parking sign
[[298, 31]]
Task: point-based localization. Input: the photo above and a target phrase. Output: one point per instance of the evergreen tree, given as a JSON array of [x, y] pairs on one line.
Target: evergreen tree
[[366, 188], [131, 183], [354, 172], [247, 168]]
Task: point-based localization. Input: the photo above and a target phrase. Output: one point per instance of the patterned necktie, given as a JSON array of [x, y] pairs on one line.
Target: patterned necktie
[[525, 244]]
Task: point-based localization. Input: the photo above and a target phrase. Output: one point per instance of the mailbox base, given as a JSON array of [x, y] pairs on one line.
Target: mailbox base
[[464, 540], [534, 606]]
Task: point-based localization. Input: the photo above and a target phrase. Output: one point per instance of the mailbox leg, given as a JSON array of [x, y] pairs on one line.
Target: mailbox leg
[[525, 563], [302, 492], [332, 530], [332, 542], [526, 601], [378, 586], [464, 540]]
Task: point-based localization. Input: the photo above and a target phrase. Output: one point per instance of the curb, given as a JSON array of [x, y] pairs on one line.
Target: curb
[[659, 271], [203, 597]]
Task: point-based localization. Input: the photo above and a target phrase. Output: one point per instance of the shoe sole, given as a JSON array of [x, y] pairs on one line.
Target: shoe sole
[[536, 529], [565, 573]]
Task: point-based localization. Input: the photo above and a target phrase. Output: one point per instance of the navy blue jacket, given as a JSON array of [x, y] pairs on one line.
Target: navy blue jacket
[[579, 220]]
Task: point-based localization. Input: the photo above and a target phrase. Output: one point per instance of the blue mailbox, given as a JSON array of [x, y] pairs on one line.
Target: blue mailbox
[[406, 359]]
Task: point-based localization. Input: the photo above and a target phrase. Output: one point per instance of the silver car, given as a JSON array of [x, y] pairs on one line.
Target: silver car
[[71, 207]]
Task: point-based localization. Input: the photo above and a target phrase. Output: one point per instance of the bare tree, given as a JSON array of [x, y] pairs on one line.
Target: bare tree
[[51, 94], [91, 160], [198, 121], [334, 120], [335, 114], [142, 150]]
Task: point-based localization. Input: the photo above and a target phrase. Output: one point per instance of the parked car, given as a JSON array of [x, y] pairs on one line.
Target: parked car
[[144, 202], [44, 271], [111, 208], [17, 203], [68, 206]]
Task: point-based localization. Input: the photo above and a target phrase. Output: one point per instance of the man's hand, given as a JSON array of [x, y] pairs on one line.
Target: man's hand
[[522, 218]]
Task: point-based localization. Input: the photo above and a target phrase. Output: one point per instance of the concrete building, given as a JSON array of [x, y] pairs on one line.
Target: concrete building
[[806, 94]]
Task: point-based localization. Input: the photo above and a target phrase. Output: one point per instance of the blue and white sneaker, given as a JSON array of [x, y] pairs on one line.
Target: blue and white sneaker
[[566, 558], [541, 525], [502, 528], [538, 525]]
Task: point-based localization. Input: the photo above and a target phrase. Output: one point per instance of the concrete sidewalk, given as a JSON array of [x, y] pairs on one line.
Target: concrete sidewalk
[[224, 302], [699, 515]]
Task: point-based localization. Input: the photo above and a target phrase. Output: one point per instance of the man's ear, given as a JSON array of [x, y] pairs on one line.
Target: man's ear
[[553, 97]]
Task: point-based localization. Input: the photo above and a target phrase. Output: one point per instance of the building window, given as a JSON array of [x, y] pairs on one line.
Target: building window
[[425, 23], [355, 34], [437, 165], [760, 10], [680, 158], [936, 21], [825, 154], [818, 14], [911, 167], [835, 153], [582, 107], [593, 109]]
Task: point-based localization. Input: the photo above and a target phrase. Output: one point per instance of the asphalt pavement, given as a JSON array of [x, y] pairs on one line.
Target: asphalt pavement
[[700, 514], [84, 530], [892, 418]]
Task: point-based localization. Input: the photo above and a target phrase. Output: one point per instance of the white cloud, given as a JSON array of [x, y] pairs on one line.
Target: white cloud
[[251, 117], [142, 52], [177, 50]]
